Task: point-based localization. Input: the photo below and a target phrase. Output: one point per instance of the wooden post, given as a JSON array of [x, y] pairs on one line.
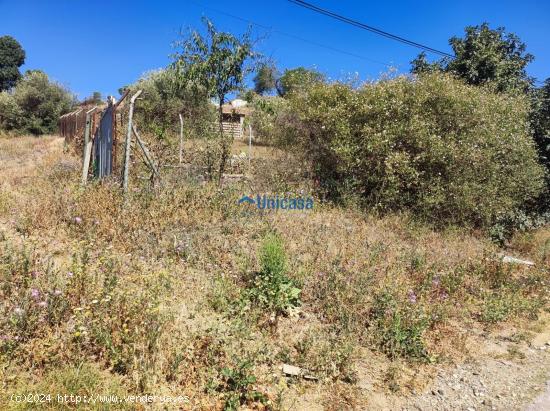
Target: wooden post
[[181, 138], [128, 142], [114, 127], [249, 143], [87, 146], [145, 152]]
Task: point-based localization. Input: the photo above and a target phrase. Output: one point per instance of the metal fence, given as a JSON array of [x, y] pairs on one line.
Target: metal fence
[[92, 131]]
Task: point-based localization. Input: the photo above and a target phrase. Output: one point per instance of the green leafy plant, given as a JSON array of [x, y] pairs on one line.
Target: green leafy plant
[[399, 327], [238, 385], [271, 287]]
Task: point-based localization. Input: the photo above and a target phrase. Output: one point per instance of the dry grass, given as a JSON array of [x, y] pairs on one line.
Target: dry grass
[[169, 270]]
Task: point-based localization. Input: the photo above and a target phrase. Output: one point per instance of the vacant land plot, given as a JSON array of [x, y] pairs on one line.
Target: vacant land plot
[[181, 291]]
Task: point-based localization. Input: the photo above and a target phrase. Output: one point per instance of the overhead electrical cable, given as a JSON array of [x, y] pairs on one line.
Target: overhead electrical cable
[[368, 28], [293, 36]]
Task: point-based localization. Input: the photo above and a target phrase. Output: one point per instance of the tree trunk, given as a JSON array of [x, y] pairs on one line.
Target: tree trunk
[[224, 143]]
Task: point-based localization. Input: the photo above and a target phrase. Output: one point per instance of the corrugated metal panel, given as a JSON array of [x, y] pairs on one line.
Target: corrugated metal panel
[[103, 144]]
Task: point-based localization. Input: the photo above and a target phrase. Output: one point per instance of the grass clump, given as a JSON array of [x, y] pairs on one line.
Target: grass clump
[[399, 326], [83, 386], [271, 288]]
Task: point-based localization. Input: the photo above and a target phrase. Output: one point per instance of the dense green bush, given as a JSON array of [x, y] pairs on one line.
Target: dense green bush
[[34, 105], [267, 115], [449, 152]]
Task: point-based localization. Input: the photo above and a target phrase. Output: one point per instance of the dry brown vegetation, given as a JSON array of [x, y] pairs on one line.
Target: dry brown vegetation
[[156, 293]]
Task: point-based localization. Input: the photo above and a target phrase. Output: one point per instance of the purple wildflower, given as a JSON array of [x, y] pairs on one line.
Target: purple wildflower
[[77, 220], [43, 304], [411, 296], [70, 274], [35, 293], [56, 292]]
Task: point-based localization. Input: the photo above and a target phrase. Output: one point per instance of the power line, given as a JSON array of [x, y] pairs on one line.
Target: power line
[[367, 27], [293, 36]]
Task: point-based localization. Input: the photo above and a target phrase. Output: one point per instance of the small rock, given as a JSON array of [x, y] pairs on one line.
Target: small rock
[[310, 377], [513, 260], [291, 370], [440, 391]]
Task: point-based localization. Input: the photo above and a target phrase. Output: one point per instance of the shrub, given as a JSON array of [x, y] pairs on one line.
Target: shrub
[[35, 104], [238, 386], [449, 152], [398, 327], [268, 119], [273, 288], [270, 288]]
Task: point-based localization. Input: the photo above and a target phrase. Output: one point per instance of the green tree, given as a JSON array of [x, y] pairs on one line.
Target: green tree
[[540, 121], [298, 79], [421, 65], [162, 102], [265, 80], [215, 64], [37, 104], [482, 56], [12, 56], [96, 97]]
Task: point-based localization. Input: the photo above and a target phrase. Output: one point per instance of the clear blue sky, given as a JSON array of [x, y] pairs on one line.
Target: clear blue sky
[[102, 45]]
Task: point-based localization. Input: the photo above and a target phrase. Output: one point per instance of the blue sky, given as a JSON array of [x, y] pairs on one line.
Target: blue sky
[[103, 45]]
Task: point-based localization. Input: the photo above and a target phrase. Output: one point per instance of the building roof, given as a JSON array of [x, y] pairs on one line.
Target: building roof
[[239, 111]]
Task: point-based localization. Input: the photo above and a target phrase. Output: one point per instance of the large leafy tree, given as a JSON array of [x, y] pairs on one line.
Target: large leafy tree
[[265, 80], [540, 121], [297, 80], [216, 64], [482, 56], [12, 56]]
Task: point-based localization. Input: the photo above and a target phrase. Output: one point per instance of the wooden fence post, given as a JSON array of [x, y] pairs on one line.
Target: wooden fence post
[[145, 152], [128, 142], [249, 143], [181, 138], [87, 146]]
